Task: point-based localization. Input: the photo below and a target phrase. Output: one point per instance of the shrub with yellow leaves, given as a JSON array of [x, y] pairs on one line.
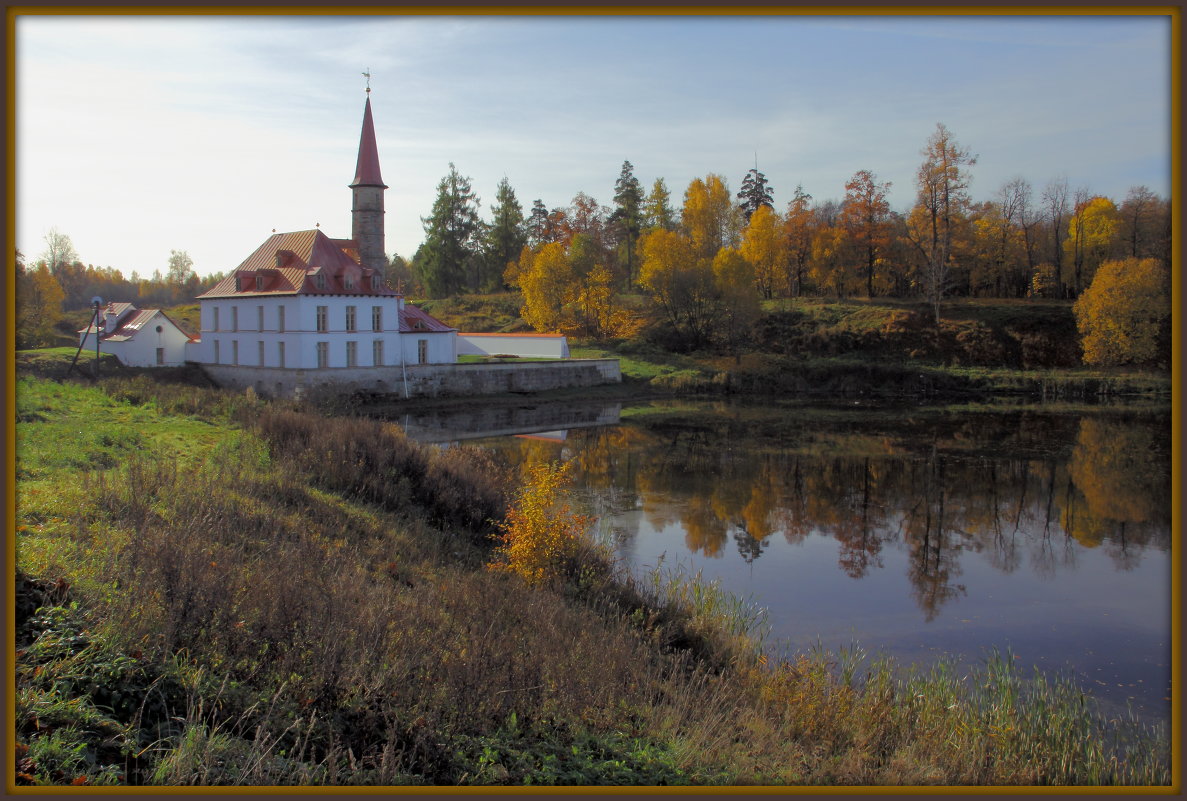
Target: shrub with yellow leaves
[[1124, 316], [541, 533]]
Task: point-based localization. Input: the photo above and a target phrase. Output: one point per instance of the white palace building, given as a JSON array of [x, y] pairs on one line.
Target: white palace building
[[306, 312]]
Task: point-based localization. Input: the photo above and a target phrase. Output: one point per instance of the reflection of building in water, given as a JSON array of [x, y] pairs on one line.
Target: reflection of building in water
[[551, 420], [546, 436]]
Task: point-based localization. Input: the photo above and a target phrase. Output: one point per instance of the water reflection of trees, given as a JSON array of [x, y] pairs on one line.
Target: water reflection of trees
[[1019, 489]]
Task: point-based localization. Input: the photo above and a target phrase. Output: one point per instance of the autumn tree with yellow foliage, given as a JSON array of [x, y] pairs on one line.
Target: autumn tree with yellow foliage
[[680, 285], [764, 245], [1124, 316], [738, 295], [710, 219], [570, 290], [549, 287], [38, 305], [1091, 234]]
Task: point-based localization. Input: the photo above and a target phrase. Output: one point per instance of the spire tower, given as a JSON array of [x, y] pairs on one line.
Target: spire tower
[[367, 189]]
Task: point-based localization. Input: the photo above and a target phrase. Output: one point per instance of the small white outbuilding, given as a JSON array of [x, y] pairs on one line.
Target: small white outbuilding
[[138, 337]]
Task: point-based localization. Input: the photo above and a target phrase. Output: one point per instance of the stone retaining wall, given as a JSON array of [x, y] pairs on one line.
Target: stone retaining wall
[[421, 380]]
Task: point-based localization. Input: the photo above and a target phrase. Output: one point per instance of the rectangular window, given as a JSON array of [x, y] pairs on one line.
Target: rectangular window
[[216, 351], [377, 352], [234, 351], [260, 317], [280, 319], [376, 318], [319, 281], [234, 318], [259, 283], [160, 355], [422, 351], [375, 281], [352, 354], [323, 354], [348, 281], [280, 354], [261, 352], [215, 327], [351, 318], [323, 314]]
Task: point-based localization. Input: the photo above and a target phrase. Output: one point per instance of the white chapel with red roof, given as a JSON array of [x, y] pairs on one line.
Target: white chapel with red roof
[[305, 309]]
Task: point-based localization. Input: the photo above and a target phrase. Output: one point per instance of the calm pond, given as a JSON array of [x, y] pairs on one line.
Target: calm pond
[[914, 533]]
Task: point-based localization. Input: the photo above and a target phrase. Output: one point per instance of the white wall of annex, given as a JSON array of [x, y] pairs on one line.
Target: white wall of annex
[[544, 347], [141, 349]]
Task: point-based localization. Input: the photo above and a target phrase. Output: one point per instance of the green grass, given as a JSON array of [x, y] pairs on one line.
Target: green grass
[[494, 313], [640, 362]]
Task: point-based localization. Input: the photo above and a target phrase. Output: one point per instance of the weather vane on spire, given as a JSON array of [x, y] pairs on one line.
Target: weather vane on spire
[[367, 75]]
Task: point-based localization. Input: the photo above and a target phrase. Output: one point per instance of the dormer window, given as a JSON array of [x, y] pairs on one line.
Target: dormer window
[[348, 281], [259, 283], [238, 283], [375, 282], [319, 281]]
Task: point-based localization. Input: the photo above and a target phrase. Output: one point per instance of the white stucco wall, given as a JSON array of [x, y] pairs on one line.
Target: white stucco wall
[[239, 321], [545, 346], [441, 347]]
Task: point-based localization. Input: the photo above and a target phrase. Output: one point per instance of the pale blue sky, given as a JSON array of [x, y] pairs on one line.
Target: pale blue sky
[[138, 135]]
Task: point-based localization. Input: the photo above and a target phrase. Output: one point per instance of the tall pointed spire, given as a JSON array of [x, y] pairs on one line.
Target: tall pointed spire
[[366, 172], [367, 189]]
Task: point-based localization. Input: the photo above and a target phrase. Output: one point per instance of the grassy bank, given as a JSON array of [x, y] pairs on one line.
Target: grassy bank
[[650, 370], [215, 590]]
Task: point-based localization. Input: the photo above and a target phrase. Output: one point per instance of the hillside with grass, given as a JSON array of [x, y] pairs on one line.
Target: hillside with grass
[[214, 590], [878, 350]]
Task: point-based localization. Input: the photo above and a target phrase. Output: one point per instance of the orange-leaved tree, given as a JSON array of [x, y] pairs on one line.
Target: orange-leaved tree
[[1124, 315], [541, 533]]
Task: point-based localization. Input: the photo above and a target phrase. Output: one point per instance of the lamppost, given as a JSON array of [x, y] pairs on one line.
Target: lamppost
[[96, 303]]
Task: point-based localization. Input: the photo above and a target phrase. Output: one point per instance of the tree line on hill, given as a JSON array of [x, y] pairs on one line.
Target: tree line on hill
[[58, 281], [704, 268], [696, 276]]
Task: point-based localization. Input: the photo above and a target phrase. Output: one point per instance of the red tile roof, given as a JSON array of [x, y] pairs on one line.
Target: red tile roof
[[413, 319], [366, 172], [133, 321], [131, 324], [290, 263], [117, 309]]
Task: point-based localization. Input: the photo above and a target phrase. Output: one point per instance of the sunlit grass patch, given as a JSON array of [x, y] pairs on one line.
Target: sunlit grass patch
[[72, 427]]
